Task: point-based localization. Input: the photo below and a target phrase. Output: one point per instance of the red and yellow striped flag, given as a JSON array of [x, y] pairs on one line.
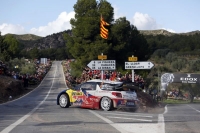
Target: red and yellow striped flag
[[103, 30]]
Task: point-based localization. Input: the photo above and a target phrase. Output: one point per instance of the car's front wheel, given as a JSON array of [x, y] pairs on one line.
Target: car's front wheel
[[64, 101], [106, 103]]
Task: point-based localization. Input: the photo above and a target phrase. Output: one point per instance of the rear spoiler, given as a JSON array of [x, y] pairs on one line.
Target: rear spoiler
[[127, 88]]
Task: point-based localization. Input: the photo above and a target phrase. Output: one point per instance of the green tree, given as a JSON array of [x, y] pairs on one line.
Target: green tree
[[13, 45], [86, 44], [160, 53], [15, 64], [195, 66], [24, 53], [1, 43], [44, 53], [171, 57], [28, 68], [5, 56], [34, 53], [51, 54], [21, 66], [126, 41], [61, 54], [179, 64], [192, 89]]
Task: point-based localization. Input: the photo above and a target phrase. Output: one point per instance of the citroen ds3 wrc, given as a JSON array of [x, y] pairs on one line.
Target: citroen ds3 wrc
[[99, 94]]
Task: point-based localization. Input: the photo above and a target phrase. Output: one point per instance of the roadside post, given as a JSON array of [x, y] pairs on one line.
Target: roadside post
[[102, 57], [132, 59]]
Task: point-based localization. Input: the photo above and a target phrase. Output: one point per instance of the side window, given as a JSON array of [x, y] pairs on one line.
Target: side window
[[88, 86], [102, 86], [107, 86]]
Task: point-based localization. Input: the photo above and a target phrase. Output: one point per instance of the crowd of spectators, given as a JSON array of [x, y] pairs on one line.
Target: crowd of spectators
[[173, 93], [89, 74], [177, 94], [26, 78], [3, 68]]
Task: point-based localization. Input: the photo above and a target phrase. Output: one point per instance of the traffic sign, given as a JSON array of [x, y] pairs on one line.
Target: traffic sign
[[138, 65], [132, 59], [102, 57], [102, 65]]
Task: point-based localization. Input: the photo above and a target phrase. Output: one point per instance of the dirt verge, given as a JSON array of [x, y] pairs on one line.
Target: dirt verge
[[11, 89]]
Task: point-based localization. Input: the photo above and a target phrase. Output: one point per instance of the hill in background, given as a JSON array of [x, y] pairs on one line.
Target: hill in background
[[30, 41], [56, 40], [26, 37], [166, 33]]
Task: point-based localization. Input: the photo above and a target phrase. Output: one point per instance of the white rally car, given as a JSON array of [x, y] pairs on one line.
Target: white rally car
[[99, 94]]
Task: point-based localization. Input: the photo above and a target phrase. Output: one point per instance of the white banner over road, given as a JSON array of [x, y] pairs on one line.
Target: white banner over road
[[102, 65], [138, 65]]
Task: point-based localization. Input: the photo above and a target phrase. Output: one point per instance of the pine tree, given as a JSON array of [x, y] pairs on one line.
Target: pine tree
[[85, 44]]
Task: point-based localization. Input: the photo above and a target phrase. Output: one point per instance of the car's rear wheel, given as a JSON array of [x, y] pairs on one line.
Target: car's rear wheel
[[64, 101], [106, 103]]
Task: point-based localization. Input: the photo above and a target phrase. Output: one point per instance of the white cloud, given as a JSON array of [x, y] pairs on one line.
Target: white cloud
[[10, 28], [140, 20], [144, 22], [60, 24]]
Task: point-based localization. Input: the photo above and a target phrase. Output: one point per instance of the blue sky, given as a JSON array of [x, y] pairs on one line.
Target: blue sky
[[45, 17]]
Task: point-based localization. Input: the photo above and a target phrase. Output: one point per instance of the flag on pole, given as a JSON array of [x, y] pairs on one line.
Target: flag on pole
[[103, 30]]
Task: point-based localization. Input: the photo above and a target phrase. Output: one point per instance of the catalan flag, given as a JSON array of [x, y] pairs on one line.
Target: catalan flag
[[103, 30]]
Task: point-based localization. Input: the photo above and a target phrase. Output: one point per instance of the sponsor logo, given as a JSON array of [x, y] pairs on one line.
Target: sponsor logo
[[77, 93], [188, 79]]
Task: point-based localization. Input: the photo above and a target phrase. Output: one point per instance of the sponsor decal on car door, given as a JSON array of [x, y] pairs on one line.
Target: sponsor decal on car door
[[77, 98]]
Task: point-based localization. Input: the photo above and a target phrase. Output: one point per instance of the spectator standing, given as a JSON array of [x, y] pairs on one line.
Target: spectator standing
[[25, 79], [107, 76]]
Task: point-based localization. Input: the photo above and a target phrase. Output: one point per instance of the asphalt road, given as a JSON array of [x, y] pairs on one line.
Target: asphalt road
[[182, 118], [37, 112]]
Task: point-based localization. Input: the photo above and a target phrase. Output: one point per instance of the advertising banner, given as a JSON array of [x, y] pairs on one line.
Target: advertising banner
[[179, 78]]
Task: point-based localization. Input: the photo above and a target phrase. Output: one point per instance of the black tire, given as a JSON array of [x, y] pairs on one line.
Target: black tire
[[106, 103], [64, 101]]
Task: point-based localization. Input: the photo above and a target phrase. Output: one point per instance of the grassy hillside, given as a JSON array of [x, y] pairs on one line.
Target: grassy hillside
[[26, 37], [166, 33]]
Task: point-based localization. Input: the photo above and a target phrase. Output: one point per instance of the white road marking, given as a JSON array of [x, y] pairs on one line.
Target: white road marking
[[136, 127], [12, 126], [161, 123], [129, 113], [193, 108], [166, 110], [109, 122], [129, 118], [141, 115]]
